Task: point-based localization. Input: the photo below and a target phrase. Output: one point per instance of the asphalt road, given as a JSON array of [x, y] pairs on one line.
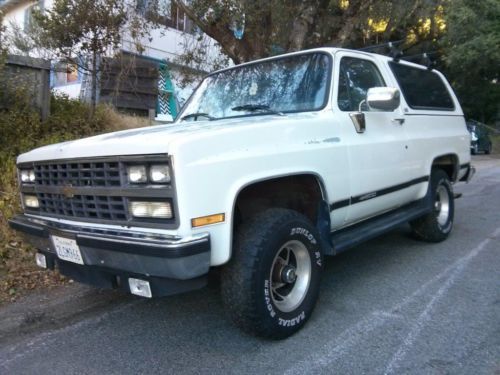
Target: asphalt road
[[390, 306]]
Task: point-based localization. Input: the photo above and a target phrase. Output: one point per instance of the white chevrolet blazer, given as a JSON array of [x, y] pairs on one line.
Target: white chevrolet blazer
[[270, 166]]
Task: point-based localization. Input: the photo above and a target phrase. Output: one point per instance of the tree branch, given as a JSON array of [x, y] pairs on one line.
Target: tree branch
[[231, 46]]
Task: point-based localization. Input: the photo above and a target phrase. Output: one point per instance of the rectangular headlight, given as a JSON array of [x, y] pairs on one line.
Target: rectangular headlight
[[154, 210], [159, 173], [31, 201], [27, 175], [137, 174]]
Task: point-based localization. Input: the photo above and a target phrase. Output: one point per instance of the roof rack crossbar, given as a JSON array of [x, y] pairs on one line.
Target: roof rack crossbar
[[394, 52], [423, 58], [382, 45]]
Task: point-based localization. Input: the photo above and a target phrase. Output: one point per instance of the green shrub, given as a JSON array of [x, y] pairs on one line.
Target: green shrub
[[21, 130], [71, 119]]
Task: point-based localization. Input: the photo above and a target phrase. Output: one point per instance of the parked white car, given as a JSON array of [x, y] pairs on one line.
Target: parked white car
[[271, 166]]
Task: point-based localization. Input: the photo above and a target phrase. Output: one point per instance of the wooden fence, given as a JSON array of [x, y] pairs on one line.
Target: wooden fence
[[33, 75], [129, 83]]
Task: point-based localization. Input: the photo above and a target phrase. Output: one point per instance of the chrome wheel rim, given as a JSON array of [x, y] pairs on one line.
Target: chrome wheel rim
[[290, 276], [442, 205]]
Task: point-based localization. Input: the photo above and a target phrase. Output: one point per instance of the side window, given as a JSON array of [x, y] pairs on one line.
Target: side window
[[356, 77], [422, 88]]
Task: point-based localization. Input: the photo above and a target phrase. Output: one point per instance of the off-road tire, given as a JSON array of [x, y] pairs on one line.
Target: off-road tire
[[249, 279], [437, 225]]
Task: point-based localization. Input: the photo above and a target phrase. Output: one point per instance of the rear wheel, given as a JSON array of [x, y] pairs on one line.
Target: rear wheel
[[436, 225], [271, 284]]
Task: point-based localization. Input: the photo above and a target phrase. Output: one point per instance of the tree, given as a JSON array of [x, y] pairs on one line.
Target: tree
[[3, 47], [75, 29], [249, 29], [26, 42], [472, 56]]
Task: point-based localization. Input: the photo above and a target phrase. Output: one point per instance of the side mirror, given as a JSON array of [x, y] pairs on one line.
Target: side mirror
[[383, 98]]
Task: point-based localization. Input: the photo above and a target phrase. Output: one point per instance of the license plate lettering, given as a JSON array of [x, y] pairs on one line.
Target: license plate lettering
[[67, 249]]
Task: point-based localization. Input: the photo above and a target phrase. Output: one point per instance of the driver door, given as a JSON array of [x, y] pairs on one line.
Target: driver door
[[378, 157]]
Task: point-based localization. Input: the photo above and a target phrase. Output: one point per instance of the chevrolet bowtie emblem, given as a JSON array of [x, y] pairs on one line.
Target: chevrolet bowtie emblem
[[68, 191]]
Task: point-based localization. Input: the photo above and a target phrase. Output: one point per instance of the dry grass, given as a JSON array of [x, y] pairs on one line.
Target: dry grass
[[118, 121]]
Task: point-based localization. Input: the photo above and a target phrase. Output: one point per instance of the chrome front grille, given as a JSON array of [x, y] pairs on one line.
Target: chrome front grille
[[96, 190], [78, 174]]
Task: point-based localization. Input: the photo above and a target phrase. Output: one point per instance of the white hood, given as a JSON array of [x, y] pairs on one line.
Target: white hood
[[148, 140]]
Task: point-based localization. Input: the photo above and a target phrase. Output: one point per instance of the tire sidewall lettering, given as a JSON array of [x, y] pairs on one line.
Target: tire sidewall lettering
[[299, 315], [292, 322], [267, 299], [304, 233], [280, 317]]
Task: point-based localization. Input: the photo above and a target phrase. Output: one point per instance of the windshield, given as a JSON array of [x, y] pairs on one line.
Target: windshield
[[290, 84]]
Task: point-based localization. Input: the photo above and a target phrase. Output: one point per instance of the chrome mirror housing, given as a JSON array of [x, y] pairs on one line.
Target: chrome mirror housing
[[383, 98]]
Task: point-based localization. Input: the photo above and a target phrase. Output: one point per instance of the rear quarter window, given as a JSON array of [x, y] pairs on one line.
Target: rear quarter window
[[422, 88]]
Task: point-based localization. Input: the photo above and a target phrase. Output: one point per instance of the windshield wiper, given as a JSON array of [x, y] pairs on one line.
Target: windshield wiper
[[257, 107], [198, 114]]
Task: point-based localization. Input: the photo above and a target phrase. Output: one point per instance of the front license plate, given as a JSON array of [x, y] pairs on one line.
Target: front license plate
[[67, 249]]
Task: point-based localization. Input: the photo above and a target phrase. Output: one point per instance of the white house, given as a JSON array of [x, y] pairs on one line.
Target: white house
[[163, 47]]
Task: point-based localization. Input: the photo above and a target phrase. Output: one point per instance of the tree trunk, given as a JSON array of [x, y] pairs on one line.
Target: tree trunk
[[301, 28], [93, 94]]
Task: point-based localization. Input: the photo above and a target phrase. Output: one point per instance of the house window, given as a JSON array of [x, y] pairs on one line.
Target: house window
[[72, 73], [165, 12], [65, 74], [179, 20], [28, 14]]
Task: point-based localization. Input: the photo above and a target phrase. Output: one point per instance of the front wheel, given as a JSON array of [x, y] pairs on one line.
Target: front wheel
[[437, 224], [271, 284]]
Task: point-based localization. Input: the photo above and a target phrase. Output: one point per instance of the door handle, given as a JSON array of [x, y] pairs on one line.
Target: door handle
[[400, 121]]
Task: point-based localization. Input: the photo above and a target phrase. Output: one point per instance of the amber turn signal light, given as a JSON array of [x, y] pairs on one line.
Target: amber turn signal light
[[207, 220]]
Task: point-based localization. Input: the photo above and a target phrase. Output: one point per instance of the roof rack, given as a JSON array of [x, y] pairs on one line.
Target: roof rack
[[394, 52], [423, 58]]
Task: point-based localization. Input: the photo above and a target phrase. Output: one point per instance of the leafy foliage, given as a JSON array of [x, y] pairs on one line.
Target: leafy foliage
[[75, 29], [3, 47], [247, 30], [472, 55], [463, 35]]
